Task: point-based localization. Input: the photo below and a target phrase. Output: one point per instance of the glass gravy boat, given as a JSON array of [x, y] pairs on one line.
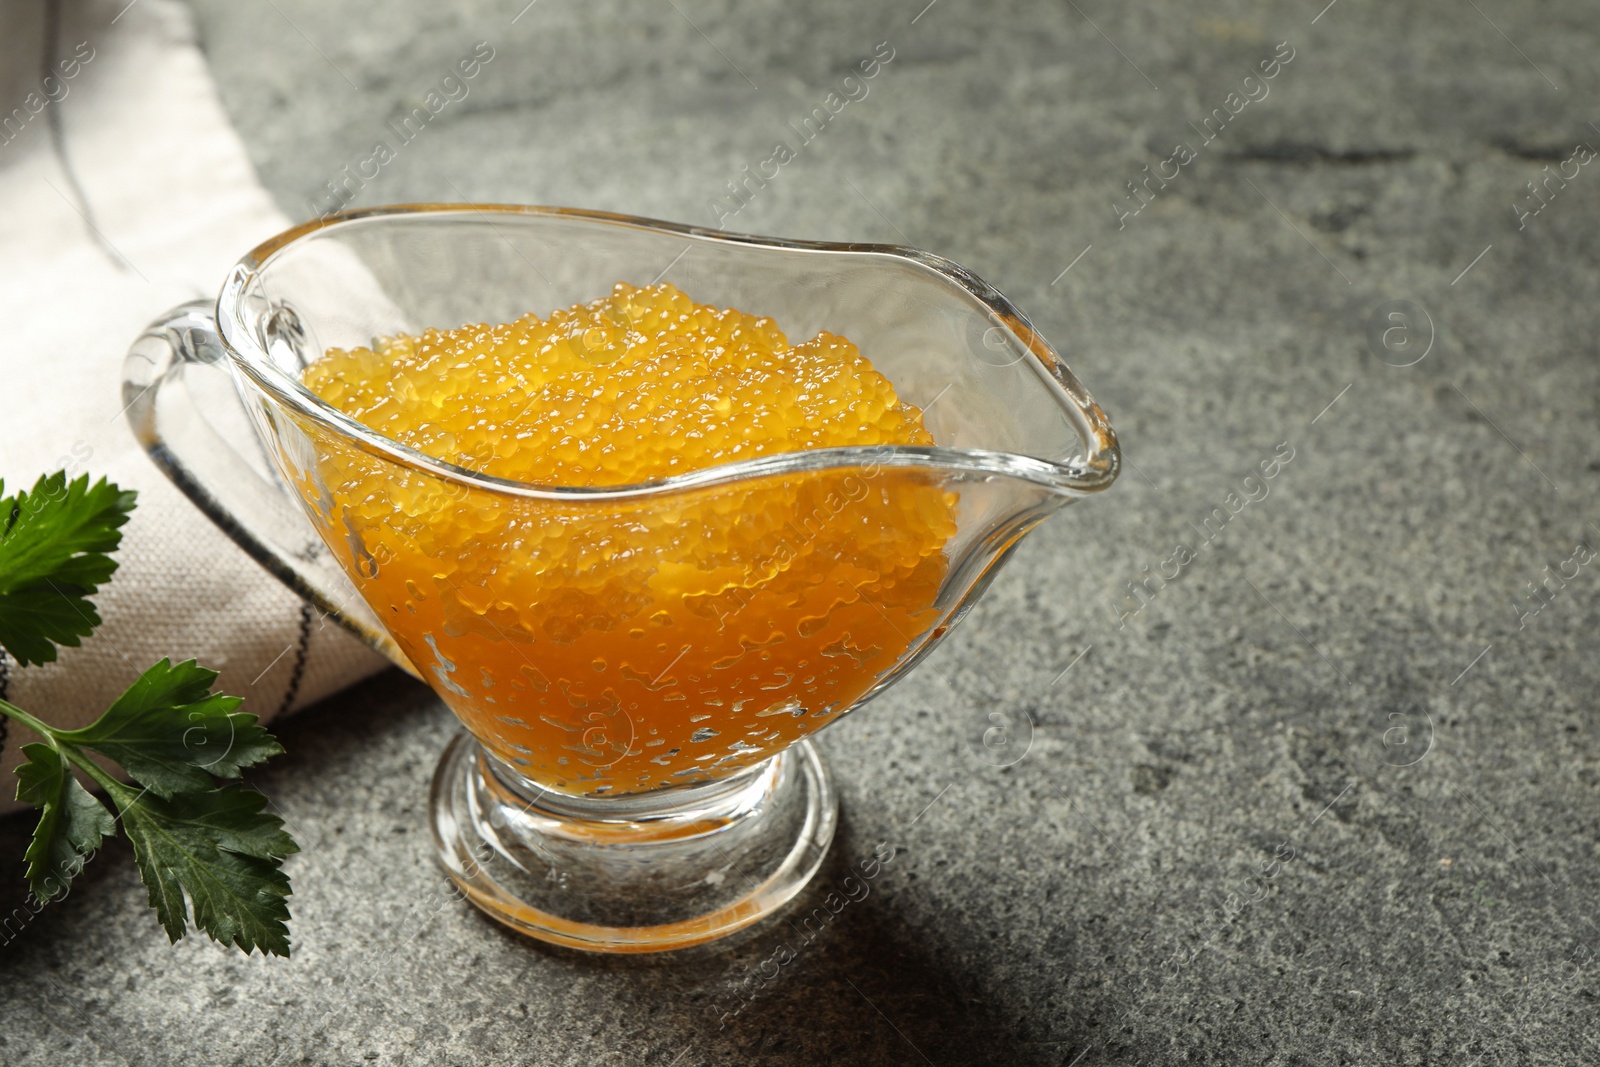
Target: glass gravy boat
[[638, 667]]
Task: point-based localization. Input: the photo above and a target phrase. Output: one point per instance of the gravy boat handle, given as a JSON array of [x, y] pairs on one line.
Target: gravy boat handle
[[196, 440]]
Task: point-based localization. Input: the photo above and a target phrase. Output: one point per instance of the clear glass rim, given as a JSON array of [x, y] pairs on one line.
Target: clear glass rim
[[1089, 472]]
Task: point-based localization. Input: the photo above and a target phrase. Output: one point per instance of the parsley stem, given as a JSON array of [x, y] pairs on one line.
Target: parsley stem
[[70, 751], [10, 710], [115, 789]]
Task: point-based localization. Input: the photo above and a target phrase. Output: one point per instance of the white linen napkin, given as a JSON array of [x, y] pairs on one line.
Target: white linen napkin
[[123, 192]]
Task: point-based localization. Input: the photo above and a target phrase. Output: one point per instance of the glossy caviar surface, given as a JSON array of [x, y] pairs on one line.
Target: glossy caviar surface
[[619, 645], [641, 385]]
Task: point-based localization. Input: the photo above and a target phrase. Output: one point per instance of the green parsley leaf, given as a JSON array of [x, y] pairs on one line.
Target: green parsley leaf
[[71, 822], [220, 849], [170, 732], [54, 542], [200, 849]]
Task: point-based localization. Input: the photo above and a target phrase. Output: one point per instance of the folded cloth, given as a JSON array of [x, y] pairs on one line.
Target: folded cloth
[[123, 192]]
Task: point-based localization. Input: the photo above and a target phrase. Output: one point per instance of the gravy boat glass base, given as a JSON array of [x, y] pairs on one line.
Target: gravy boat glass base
[[632, 874], [639, 668]]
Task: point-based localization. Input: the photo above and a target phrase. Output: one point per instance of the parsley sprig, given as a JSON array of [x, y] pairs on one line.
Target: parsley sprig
[[204, 848]]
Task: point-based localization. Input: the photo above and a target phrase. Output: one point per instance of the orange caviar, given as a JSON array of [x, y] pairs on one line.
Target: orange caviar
[[620, 644]]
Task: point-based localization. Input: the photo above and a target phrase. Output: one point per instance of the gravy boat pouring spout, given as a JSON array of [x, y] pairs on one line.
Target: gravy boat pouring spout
[[639, 667]]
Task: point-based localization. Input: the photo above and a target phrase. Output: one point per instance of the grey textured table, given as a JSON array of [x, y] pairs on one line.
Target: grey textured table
[[1328, 796]]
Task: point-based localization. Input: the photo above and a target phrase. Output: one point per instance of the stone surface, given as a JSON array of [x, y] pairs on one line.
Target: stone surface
[[1342, 711]]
